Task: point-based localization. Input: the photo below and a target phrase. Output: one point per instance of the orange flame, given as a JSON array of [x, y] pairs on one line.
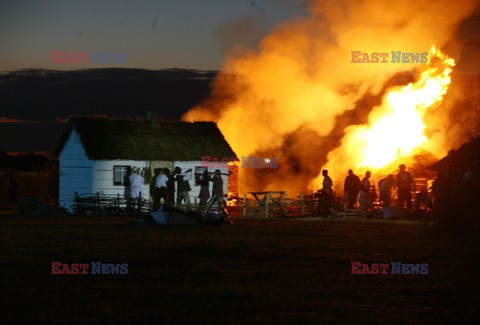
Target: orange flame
[[298, 97], [396, 128]]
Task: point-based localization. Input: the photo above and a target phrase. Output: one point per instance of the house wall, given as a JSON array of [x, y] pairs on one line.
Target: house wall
[[75, 171], [84, 176], [103, 177], [184, 165]]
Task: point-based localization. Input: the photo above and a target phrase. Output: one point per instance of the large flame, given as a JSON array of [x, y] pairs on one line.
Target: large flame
[[299, 98], [395, 129]]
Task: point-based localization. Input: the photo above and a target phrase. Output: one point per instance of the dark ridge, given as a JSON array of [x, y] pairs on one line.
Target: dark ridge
[[45, 95]]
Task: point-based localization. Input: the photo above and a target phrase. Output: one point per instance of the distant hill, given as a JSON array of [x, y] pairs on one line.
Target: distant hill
[[46, 97]]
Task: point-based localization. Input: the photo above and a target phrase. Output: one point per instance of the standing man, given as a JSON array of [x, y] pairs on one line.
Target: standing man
[[204, 181], [405, 185], [217, 190], [352, 188], [136, 182], [183, 186], [170, 187], [365, 199], [385, 186], [160, 189], [326, 194], [327, 184], [154, 191]]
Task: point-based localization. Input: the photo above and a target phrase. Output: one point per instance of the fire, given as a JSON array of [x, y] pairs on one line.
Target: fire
[[298, 98], [395, 129]]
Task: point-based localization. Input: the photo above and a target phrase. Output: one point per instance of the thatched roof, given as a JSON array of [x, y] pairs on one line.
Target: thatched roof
[[138, 140], [463, 157]]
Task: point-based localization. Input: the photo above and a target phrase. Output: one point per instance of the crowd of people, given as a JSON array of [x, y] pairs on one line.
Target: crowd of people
[[167, 188], [454, 193], [165, 183]]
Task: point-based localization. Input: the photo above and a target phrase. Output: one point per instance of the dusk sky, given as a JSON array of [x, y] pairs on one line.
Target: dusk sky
[[163, 34], [156, 34]]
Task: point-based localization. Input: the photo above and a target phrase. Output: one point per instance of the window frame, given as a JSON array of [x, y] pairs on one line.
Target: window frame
[[125, 171]]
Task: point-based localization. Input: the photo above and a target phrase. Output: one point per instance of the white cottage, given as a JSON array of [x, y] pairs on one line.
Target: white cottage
[[96, 154]]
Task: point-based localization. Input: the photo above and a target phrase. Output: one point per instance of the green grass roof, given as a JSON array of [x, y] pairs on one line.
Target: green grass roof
[[137, 140]]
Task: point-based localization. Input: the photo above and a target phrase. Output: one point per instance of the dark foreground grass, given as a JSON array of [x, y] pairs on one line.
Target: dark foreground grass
[[263, 271]]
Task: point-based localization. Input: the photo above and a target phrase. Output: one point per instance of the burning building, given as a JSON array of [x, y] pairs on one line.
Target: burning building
[[300, 98]]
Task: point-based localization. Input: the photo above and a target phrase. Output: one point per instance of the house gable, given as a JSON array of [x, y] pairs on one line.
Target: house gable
[[75, 170]]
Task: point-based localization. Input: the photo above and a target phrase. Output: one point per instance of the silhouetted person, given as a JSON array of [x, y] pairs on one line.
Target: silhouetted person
[[217, 190], [153, 190], [405, 184], [170, 187], [183, 186], [325, 195], [385, 187], [327, 183], [365, 199], [126, 182], [160, 189], [352, 188], [204, 181], [136, 181]]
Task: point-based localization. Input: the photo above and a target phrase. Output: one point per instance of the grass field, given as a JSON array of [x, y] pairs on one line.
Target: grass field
[[260, 271]]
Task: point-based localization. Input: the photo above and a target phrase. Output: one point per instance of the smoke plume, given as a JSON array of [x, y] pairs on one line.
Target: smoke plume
[[296, 94]]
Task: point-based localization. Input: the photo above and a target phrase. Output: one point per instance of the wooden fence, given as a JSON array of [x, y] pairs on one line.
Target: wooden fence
[[100, 204], [298, 206], [253, 205]]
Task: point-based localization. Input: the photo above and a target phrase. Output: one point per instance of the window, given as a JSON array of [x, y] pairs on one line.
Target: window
[[198, 173], [120, 175]]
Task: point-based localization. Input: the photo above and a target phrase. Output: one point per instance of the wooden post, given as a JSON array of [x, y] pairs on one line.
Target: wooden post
[[267, 198], [302, 199], [244, 205]]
